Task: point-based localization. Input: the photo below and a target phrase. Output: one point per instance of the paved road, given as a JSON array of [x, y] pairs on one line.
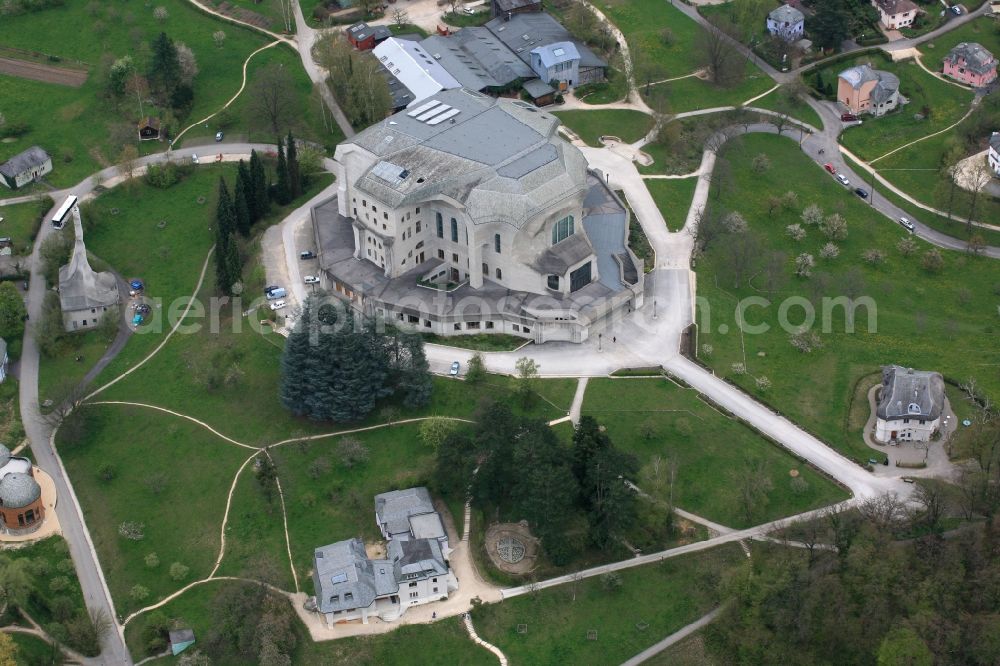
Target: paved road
[[675, 637], [305, 38], [39, 431]]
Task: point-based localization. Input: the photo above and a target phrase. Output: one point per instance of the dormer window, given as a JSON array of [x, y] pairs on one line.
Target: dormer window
[[913, 408], [562, 229]]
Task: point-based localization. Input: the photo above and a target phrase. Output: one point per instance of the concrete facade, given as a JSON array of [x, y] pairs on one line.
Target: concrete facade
[[468, 214], [993, 154], [862, 89], [21, 508]]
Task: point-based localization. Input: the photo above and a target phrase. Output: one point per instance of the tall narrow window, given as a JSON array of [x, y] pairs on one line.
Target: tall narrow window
[[454, 230], [440, 224], [496, 243], [562, 229]]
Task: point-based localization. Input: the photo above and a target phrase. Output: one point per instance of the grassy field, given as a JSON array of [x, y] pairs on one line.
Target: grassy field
[[877, 136], [56, 374], [654, 417], [486, 342], [270, 9], [982, 30], [423, 645], [664, 597], [168, 474], [614, 89], [33, 651], [776, 101], [924, 320], [673, 198], [693, 93], [642, 22], [627, 125], [20, 223], [77, 125]]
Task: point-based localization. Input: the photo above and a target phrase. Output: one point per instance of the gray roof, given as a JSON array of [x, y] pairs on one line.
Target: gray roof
[[537, 88], [887, 86], [345, 579], [524, 32], [514, 5], [556, 53], [3, 350], [362, 31], [859, 74], [606, 223], [25, 161], [786, 14], [181, 636], [414, 559], [893, 7], [18, 490], [393, 509], [80, 287], [909, 393], [477, 59], [4, 455], [974, 56], [558, 259], [995, 141], [456, 144]]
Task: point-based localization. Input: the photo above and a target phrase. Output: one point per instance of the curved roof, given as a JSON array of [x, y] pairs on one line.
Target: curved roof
[[909, 393], [858, 75], [18, 490], [786, 14], [4, 455]]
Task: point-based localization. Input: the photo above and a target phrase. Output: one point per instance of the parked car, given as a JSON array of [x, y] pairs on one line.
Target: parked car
[[142, 308], [829, 167], [848, 117], [276, 293], [842, 179], [311, 279], [194, 158], [861, 192], [454, 369], [218, 136], [277, 305], [307, 254], [136, 285], [907, 224], [956, 10], [268, 289], [137, 319]]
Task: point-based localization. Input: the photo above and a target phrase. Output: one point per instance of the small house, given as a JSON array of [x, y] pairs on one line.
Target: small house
[[787, 23], [558, 62], [993, 154], [84, 294], [365, 37], [149, 128], [910, 404], [865, 90], [25, 167], [971, 64], [896, 14], [541, 93], [21, 507]]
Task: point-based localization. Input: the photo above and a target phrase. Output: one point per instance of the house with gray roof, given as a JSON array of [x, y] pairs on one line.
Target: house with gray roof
[[862, 89], [523, 33], [84, 294], [466, 214], [477, 59], [787, 23], [971, 64], [558, 62], [993, 153], [25, 167], [352, 586], [910, 405]]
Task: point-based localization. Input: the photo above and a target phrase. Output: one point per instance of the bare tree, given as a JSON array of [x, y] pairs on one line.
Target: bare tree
[[128, 161], [931, 498], [400, 17], [752, 484], [885, 511], [979, 176], [272, 98], [724, 63]]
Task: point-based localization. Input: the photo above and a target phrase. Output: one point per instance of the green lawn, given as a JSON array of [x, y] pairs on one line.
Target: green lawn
[[654, 417], [21, 221], [614, 89], [664, 597], [485, 342], [627, 125], [777, 101], [673, 198], [643, 21], [169, 474], [692, 93], [877, 136], [982, 30], [76, 125], [270, 9], [57, 374], [927, 321], [33, 651], [423, 645]]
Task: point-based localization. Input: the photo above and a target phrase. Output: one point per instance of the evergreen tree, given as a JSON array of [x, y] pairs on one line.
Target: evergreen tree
[[416, 377], [456, 459], [225, 224], [258, 180], [495, 436], [830, 24], [296, 361], [294, 176], [234, 268], [249, 195], [241, 211], [165, 66], [225, 218], [282, 193], [612, 503], [588, 441]]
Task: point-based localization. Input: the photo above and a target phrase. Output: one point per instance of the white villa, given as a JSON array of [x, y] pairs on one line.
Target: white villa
[[909, 405], [468, 214], [351, 586], [786, 22], [993, 154]]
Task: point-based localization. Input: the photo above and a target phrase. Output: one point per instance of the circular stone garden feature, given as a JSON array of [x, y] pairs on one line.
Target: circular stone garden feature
[[511, 547]]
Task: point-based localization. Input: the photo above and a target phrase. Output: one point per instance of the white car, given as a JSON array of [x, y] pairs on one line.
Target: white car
[[311, 279], [842, 179], [277, 305], [905, 222], [194, 158], [454, 368]]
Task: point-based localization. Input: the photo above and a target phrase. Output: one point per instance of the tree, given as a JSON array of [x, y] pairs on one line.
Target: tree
[[128, 161], [227, 265], [282, 190], [830, 25], [435, 430], [476, 371], [416, 380], [272, 98], [219, 37], [906, 246], [761, 163], [812, 215], [456, 458], [978, 176], [752, 483], [165, 67], [368, 99], [12, 312], [804, 263], [244, 200], [612, 503], [294, 175], [645, 68], [588, 441], [527, 373], [161, 14], [400, 17], [904, 647], [932, 261], [724, 63], [834, 227], [351, 452], [8, 650], [258, 180], [16, 581], [188, 63]]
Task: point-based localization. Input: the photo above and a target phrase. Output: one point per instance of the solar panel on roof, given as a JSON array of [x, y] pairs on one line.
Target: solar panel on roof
[[339, 578], [423, 107], [444, 116], [433, 112]]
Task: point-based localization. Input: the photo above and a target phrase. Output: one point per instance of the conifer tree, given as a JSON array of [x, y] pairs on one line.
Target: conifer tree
[[296, 360], [416, 378], [165, 66], [294, 176], [225, 224], [241, 211], [259, 181], [249, 196], [282, 194]]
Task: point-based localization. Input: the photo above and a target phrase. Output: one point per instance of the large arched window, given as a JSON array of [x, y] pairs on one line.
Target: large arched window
[[562, 229], [496, 243], [440, 224]]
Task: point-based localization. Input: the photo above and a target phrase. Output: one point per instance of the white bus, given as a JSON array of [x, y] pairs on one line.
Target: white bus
[[60, 217]]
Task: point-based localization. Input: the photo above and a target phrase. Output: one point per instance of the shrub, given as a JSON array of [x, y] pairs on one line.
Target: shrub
[[318, 467], [107, 472], [65, 565], [352, 452], [806, 341], [132, 530], [152, 560], [138, 593], [932, 261], [178, 571], [906, 246], [611, 581], [738, 369], [734, 223], [761, 163], [873, 256], [834, 227], [812, 215], [795, 231], [829, 251], [59, 583], [763, 383], [804, 263]]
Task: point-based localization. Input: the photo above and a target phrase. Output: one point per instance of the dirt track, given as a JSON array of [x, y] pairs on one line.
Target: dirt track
[[26, 69]]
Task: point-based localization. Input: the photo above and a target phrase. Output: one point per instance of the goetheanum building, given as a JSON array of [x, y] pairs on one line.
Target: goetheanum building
[[21, 507], [468, 214]]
